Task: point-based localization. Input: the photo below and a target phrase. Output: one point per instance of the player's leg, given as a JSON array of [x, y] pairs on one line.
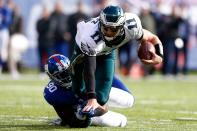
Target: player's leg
[[120, 96], [118, 120], [104, 76], [117, 83]]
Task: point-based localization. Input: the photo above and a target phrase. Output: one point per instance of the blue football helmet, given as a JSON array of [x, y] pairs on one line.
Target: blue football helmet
[[57, 68], [112, 16]]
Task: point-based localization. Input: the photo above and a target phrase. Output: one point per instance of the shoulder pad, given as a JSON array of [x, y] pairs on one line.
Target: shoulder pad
[[83, 37], [133, 26]]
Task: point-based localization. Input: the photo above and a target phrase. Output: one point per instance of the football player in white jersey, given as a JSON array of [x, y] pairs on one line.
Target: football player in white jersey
[[96, 42]]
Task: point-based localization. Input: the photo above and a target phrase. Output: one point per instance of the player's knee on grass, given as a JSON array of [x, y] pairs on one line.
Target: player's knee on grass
[[120, 98]]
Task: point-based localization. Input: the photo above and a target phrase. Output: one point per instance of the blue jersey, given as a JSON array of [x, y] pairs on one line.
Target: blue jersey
[[5, 18], [57, 95]]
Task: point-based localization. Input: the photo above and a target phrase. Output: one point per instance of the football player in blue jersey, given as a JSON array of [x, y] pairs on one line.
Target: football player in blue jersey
[[68, 105], [96, 42]]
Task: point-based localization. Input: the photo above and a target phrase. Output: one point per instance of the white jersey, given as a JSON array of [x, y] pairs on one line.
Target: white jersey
[[89, 38]]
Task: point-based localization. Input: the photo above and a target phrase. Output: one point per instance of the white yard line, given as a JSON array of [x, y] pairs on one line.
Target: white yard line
[[27, 119], [187, 118], [22, 118], [45, 119], [146, 121], [181, 112], [25, 77], [19, 88], [23, 105], [163, 102], [163, 121], [19, 116]]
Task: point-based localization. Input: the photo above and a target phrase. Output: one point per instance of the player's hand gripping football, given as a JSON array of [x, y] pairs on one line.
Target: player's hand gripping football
[[150, 50], [156, 59], [147, 54]]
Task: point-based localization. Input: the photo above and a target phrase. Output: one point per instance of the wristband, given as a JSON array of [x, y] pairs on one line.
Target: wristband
[[159, 49], [91, 95]]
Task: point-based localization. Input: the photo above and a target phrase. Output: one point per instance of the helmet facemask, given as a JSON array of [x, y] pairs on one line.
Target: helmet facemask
[[116, 30], [63, 78]]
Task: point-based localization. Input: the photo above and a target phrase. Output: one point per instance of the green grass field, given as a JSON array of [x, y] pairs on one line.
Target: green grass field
[[161, 105]]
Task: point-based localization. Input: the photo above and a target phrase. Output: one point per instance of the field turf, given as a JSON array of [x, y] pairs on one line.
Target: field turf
[[161, 104]]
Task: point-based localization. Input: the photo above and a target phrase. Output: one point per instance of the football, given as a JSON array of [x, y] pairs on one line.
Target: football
[[144, 50]]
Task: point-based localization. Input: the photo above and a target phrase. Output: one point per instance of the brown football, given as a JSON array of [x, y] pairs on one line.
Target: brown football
[[143, 50]]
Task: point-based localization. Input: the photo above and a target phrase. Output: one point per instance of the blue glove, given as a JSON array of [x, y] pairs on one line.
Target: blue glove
[[82, 115], [89, 113]]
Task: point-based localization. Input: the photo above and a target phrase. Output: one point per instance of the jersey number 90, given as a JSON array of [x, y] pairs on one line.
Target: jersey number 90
[[51, 87]]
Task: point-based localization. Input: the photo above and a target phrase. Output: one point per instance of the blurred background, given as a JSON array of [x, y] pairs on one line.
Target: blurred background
[[32, 30]]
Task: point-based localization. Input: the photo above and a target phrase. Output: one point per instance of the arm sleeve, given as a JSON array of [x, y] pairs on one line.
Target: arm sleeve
[[89, 75]]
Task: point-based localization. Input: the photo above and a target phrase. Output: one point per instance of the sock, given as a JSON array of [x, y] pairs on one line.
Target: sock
[[117, 83], [110, 118]]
